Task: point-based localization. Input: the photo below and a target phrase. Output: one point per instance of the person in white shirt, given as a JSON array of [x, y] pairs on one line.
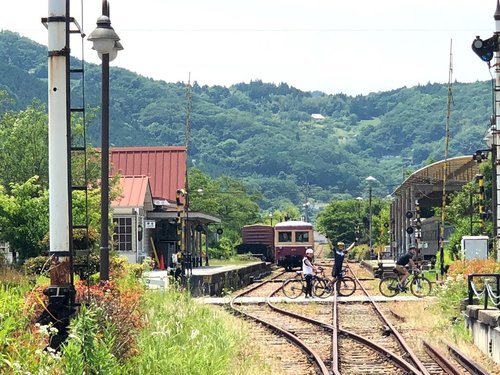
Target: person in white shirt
[[308, 270]]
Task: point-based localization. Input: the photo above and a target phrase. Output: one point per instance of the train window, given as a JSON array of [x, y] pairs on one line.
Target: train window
[[301, 236], [285, 237]]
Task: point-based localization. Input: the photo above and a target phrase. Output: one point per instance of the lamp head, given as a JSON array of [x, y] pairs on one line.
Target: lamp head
[[104, 37]]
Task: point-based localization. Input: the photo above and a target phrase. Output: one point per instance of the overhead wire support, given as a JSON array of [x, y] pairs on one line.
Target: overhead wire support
[[445, 164], [187, 135]]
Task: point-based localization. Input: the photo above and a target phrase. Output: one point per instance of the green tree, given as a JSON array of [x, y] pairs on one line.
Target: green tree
[[225, 198], [339, 220], [24, 217], [23, 145]]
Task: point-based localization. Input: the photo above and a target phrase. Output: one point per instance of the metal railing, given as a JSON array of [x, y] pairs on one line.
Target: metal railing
[[487, 292]]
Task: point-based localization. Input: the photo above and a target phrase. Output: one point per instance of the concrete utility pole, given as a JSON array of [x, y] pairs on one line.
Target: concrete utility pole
[[58, 143], [487, 50], [61, 292]]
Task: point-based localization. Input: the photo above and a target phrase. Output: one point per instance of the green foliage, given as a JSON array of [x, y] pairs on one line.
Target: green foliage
[[23, 145], [88, 349], [224, 249], [451, 294], [185, 337], [225, 198], [263, 132], [24, 217]]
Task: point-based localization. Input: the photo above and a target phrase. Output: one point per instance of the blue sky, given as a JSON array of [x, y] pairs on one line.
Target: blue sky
[[349, 46]]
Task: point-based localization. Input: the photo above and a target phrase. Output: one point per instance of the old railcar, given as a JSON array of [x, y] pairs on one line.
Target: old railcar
[[430, 238], [291, 239], [258, 239]]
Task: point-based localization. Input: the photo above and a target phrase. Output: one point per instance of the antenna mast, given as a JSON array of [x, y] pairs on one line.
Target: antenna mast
[[445, 164]]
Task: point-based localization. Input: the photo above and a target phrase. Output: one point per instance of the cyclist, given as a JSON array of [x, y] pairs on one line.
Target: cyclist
[[308, 270], [339, 254], [401, 263]]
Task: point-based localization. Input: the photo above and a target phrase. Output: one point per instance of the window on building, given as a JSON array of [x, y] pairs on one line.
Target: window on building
[[301, 236], [122, 237], [285, 236]]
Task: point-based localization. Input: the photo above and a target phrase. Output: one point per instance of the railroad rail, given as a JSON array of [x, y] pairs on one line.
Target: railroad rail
[[310, 362], [423, 355], [341, 347]]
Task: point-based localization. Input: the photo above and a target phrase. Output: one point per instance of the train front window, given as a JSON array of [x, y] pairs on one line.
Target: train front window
[[285, 237], [301, 236]]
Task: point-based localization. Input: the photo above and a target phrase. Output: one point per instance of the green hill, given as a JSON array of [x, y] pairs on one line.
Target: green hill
[[264, 133]]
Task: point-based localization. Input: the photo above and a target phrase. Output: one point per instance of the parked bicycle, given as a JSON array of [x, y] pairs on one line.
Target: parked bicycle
[[417, 283], [295, 286], [324, 286]]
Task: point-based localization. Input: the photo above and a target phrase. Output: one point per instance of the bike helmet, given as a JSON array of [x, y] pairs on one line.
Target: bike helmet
[[309, 251], [340, 243]]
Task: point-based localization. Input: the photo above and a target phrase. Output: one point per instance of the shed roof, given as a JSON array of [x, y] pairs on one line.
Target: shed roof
[[135, 192], [164, 165], [460, 170]]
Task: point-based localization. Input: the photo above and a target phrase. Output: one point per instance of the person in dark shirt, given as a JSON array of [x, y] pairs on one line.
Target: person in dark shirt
[[339, 254], [404, 260]]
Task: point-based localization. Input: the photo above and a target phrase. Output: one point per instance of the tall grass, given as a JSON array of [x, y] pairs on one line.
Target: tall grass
[[185, 337]]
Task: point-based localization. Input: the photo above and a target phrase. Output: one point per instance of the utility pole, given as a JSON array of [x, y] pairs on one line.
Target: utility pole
[[61, 292], [486, 50], [496, 141]]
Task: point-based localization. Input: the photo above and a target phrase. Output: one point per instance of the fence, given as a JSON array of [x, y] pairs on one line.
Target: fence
[[486, 291]]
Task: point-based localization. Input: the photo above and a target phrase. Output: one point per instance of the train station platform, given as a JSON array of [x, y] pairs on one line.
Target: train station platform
[[213, 280]]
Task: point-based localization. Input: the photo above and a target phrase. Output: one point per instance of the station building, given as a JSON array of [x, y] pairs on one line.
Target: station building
[[149, 206]]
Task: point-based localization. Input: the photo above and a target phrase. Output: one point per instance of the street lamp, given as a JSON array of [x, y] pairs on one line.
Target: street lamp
[[271, 217], [370, 180], [106, 43]]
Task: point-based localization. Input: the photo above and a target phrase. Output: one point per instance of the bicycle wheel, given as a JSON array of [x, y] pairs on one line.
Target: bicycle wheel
[[322, 288], [346, 286], [389, 286], [292, 288], [420, 286]]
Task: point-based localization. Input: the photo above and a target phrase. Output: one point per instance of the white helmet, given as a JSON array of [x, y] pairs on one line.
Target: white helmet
[[309, 251]]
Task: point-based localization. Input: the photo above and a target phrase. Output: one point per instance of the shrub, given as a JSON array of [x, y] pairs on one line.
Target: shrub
[[37, 266], [121, 307], [467, 267], [89, 347]]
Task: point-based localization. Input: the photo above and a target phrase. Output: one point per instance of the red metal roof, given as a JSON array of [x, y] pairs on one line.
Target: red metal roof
[[133, 191], [165, 166]]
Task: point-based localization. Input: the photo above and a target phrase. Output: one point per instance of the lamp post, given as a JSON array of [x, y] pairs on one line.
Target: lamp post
[[358, 209], [489, 139], [271, 218], [106, 43], [370, 180]]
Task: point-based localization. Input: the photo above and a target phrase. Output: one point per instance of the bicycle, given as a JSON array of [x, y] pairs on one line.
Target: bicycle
[[418, 284], [324, 286], [295, 286]]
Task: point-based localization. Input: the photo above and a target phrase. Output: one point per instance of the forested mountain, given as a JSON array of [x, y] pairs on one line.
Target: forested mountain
[[264, 132]]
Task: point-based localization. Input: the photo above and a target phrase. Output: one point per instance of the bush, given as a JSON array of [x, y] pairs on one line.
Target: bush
[[37, 266], [89, 348], [224, 249], [467, 267], [121, 307], [84, 266]]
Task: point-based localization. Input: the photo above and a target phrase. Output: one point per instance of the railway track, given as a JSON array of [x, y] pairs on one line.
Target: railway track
[[427, 358], [304, 360], [362, 340]]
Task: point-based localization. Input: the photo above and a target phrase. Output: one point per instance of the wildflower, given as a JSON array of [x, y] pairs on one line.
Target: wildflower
[[194, 333]]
